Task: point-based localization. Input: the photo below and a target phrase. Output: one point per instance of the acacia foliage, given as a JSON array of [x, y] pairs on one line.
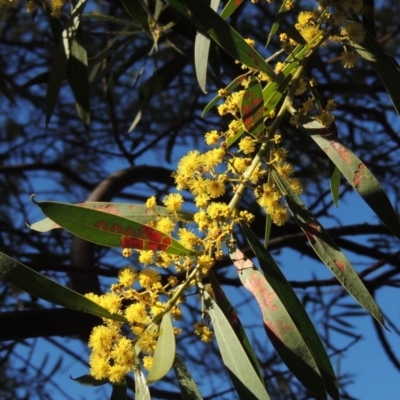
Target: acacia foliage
[[141, 79]]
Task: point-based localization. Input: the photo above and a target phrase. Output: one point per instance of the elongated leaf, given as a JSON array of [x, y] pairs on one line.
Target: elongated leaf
[[292, 304], [134, 212], [56, 77], [245, 379], [110, 230], [137, 12], [201, 50], [228, 90], [327, 250], [384, 65], [230, 7], [226, 37], [231, 315], [280, 327], [88, 380], [38, 285], [334, 182], [4, 88], [164, 354], [252, 108], [158, 82], [356, 173], [77, 73], [275, 26], [119, 391], [189, 389], [142, 391], [61, 56]]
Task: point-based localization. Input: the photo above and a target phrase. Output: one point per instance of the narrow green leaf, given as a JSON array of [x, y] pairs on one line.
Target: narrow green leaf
[[61, 55], [107, 18], [280, 327], [119, 391], [275, 26], [189, 389], [327, 250], [110, 230], [38, 285], [292, 304], [231, 315], [137, 12], [142, 391], [158, 82], [226, 37], [135, 212], [384, 65], [245, 379], [4, 88], [164, 354], [201, 51], [88, 380], [228, 90], [230, 7], [252, 108], [56, 77], [356, 173], [77, 73], [334, 182]]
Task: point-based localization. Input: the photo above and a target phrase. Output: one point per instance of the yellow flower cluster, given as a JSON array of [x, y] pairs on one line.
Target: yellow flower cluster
[[113, 352]]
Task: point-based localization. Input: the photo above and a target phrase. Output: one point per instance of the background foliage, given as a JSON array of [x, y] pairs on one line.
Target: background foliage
[[145, 111]]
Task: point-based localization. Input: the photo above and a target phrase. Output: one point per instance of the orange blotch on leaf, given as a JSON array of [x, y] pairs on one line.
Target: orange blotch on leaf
[[116, 228], [340, 264], [102, 225]]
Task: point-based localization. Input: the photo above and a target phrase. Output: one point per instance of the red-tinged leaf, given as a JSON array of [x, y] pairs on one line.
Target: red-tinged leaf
[[135, 212], [280, 327], [110, 230], [230, 7], [327, 250], [228, 90], [226, 37], [292, 304], [244, 378], [356, 173], [231, 315], [44, 288], [252, 108]]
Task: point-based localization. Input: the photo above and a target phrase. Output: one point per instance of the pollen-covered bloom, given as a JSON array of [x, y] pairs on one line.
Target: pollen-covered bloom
[[325, 118], [173, 201], [151, 202], [349, 59], [147, 277], [247, 145], [353, 31]]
